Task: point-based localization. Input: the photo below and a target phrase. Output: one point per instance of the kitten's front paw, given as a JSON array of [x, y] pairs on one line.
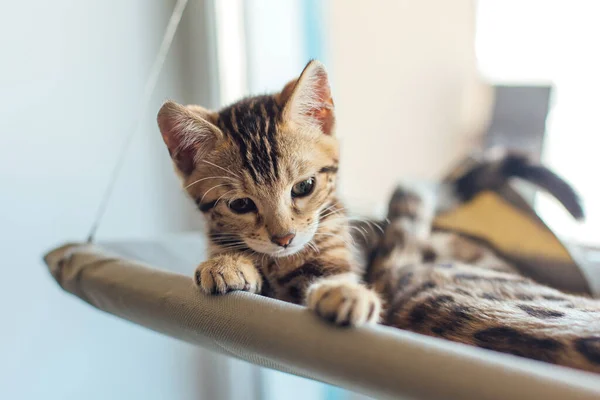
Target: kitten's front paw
[[344, 303], [222, 274]]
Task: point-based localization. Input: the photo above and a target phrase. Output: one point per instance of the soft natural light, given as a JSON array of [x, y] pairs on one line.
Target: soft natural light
[[231, 51], [537, 41]]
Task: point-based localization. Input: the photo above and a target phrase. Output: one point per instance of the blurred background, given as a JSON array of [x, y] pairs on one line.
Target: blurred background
[[417, 85]]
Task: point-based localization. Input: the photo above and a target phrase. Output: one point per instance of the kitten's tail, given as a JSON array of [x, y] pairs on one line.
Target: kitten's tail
[[492, 169]]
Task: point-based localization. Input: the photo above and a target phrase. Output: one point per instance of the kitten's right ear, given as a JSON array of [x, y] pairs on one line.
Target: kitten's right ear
[[188, 132], [308, 100]]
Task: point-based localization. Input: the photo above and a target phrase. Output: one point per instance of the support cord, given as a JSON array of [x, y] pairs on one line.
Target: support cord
[[149, 87]]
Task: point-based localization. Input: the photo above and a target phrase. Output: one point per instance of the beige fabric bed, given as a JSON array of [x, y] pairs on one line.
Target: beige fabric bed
[[135, 281]]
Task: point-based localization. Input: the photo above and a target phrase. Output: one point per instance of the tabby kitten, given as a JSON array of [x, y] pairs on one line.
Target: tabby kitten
[[263, 173]]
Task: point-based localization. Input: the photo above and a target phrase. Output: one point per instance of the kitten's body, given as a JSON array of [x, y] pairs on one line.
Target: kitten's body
[[466, 293], [263, 172], [443, 284]]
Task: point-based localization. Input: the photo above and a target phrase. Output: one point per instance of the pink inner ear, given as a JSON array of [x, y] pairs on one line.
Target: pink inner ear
[[184, 159], [181, 149], [182, 152], [323, 112]]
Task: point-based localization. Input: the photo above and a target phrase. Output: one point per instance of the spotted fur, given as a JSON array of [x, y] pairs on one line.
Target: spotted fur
[[467, 294]]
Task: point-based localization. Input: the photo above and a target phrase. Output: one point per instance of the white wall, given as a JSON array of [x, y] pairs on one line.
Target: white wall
[[562, 40], [275, 43], [403, 73], [71, 74]]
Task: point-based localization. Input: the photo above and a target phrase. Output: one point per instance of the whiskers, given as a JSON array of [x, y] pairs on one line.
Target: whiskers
[[212, 188], [313, 246], [334, 217], [224, 169], [338, 236], [224, 194], [331, 210], [204, 179], [228, 241], [231, 182], [368, 222], [337, 213]]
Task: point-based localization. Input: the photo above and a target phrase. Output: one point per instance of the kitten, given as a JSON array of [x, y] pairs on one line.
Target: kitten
[[263, 172]]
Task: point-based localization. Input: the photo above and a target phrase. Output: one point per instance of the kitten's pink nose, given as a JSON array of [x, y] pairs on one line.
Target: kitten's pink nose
[[283, 240]]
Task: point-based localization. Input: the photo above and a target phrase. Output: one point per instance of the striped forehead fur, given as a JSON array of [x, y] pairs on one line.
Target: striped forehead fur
[[251, 124]]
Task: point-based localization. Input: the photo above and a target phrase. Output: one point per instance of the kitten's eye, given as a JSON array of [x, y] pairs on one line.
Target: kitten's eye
[[303, 188], [242, 206]]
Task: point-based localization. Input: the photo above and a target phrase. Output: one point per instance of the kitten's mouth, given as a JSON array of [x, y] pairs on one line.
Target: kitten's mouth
[[287, 251], [273, 251], [300, 243]]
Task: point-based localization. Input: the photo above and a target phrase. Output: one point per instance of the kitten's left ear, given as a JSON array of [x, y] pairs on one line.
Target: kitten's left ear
[[309, 101]]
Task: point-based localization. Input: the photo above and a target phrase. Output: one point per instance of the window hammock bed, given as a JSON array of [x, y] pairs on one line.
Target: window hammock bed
[[149, 283], [125, 279]]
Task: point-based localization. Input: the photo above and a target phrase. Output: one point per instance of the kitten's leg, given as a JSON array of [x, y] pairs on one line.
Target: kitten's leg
[[343, 300], [404, 243], [226, 272], [412, 211], [329, 286]]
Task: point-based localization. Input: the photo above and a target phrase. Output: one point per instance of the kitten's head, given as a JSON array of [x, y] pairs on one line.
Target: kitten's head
[[262, 170]]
